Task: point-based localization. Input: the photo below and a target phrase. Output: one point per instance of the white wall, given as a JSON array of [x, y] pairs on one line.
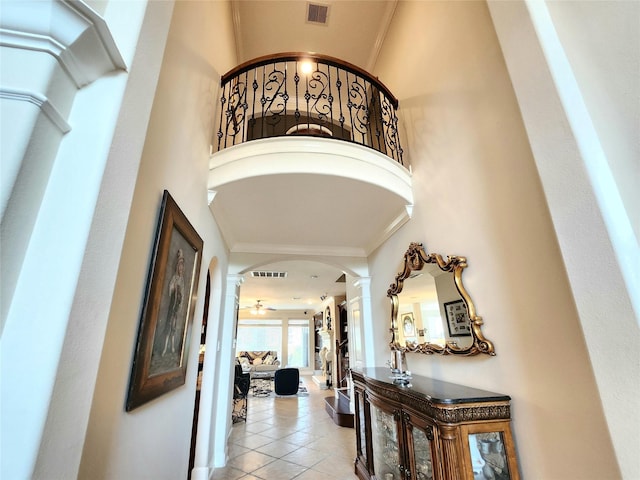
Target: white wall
[[152, 441], [63, 438], [478, 194]]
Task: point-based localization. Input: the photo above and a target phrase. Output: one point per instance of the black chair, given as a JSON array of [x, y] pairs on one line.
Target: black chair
[[241, 384], [286, 381]]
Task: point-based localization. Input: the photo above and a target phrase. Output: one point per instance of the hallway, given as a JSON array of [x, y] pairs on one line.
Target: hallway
[[288, 438]]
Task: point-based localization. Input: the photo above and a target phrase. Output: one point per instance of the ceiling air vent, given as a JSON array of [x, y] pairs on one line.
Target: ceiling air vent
[[317, 13], [262, 274]]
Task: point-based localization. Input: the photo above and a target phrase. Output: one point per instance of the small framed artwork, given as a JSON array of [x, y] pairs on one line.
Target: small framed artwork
[[421, 332], [488, 452], [408, 325], [160, 357], [457, 319]]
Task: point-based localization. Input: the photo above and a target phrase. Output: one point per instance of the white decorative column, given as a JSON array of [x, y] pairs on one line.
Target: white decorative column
[[49, 50], [363, 286], [224, 377]]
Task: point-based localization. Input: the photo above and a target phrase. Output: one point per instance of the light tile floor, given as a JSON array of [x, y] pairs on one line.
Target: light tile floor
[[289, 437]]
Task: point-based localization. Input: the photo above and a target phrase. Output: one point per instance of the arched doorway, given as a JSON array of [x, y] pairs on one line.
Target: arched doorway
[[196, 407]]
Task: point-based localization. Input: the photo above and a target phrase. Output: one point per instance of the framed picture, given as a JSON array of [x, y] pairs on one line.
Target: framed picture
[[488, 451], [457, 319], [408, 325], [421, 332], [160, 357]]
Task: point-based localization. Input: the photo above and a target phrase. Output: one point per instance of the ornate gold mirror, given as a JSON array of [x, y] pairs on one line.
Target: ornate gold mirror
[[431, 312]]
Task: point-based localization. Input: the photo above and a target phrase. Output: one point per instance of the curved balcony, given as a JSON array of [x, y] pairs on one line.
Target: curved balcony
[[309, 95], [308, 160]]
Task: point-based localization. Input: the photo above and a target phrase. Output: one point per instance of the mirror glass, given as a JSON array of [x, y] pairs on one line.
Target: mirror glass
[[431, 312]]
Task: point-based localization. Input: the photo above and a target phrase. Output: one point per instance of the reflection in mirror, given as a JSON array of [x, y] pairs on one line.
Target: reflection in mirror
[[431, 312]]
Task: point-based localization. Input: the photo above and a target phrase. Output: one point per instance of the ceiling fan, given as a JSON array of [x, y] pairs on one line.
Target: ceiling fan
[[259, 308]]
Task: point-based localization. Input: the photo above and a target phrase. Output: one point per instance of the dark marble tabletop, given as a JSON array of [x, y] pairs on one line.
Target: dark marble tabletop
[[436, 391]]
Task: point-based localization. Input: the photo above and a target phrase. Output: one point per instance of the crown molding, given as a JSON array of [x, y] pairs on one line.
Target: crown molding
[[315, 250], [235, 15], [382, 34], [403, 217]]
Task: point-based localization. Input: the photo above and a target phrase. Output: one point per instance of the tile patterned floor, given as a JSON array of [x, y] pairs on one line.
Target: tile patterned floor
[[288, 438]]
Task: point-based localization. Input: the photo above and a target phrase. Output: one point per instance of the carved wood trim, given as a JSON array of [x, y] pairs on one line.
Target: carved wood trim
[[450, 457], [439, 412]]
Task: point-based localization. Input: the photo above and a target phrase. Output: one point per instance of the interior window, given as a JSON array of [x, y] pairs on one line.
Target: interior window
[[259, 335]]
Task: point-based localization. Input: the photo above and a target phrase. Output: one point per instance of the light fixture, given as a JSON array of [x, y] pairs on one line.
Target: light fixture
[[259, 309], [306, 67]]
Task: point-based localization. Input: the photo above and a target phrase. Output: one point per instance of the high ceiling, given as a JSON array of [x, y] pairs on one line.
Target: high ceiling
[[354, 32]]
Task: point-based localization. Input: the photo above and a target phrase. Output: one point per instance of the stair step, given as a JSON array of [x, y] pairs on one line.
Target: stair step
[[340, 415], [343, 400]]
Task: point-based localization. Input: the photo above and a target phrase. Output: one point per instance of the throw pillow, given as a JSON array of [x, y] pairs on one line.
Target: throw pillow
[[257, 361], [268, 360]]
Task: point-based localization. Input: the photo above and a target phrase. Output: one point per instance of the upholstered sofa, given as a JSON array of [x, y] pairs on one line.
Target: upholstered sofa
[[259, 362]]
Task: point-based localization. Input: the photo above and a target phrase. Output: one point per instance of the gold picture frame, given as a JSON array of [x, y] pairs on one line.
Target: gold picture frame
[[160, 357]]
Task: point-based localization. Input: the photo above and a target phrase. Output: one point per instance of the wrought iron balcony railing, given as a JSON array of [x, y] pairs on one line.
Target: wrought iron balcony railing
[[307, 94]]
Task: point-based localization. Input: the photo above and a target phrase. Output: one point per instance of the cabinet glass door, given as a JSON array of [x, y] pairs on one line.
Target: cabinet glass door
[[422, 462], [384, 442], [361, 426]]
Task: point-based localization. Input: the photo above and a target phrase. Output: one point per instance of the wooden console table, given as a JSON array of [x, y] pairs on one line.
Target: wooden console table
[[430, 430]]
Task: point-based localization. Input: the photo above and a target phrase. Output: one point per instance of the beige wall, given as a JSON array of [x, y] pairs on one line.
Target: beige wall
[[478, 194], [153, 440]]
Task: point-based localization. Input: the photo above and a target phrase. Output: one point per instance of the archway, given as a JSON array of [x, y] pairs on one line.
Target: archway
[[239, 268], [203, 430]]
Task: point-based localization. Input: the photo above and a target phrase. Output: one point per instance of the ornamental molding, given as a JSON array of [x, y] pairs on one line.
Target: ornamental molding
[[69, 30], [39, 101]]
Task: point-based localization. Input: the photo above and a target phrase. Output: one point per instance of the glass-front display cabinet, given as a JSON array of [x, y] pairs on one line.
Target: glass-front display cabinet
[[431, 430]]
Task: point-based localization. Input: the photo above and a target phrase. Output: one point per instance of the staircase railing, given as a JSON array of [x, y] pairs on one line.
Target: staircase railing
[[307, 94]]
